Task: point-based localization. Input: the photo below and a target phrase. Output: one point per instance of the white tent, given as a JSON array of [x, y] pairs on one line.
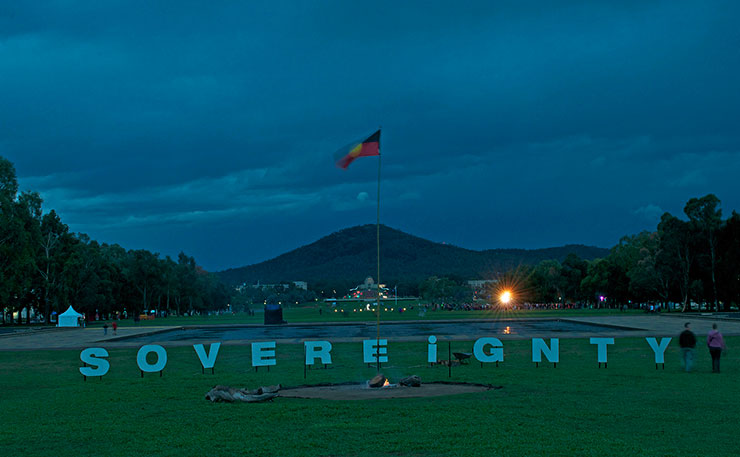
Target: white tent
[[69, 318]]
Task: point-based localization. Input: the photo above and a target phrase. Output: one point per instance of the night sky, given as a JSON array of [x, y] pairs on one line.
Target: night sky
[[210, 127]]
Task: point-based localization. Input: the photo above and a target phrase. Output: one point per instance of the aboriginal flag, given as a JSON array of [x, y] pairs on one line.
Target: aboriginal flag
[[369, 147]]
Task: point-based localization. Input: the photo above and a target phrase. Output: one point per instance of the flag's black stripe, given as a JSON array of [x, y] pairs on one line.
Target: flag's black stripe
[[374, 138]]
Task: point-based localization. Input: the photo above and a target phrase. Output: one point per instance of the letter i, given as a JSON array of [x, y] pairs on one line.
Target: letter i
[[432, 350]]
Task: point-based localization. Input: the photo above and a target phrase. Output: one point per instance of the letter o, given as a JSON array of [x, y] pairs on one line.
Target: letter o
[[151, 367]]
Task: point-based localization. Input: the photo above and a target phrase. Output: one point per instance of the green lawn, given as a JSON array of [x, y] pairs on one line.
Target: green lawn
[[352, 313], [574, 409]]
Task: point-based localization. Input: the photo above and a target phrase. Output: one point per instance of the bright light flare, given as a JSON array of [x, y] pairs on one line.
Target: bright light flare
[[505, 297]]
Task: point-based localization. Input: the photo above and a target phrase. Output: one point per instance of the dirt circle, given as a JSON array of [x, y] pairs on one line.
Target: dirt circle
[[354, 391]]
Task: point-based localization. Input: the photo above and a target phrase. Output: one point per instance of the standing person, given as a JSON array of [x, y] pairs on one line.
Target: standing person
[[687, 342], [115, 326], [716, 345], [105, 329]]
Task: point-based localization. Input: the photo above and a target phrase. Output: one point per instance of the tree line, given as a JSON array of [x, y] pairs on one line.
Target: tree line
[[45, 267], [692, 261], [687, 262]]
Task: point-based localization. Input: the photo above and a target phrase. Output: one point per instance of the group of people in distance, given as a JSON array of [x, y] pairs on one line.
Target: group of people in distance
[[687, 343]]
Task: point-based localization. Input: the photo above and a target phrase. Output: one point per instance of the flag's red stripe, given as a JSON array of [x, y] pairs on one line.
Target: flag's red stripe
[[367, 150], [345, 161], [370, 149]]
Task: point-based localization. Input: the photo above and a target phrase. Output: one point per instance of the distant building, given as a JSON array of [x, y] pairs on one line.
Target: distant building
[[301, 284], [368, 289], [480, 283], [285, 285]]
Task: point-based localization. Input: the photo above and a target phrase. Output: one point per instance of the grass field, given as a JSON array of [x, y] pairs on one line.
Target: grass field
[[310, 313], [574, 409]]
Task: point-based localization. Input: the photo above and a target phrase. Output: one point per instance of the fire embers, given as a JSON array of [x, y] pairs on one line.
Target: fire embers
[[380, 382]]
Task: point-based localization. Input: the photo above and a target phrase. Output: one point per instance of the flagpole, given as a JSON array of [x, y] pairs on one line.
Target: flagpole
[[377, 238]]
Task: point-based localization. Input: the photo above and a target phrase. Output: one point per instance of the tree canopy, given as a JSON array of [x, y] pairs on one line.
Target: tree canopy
[[45, 267]]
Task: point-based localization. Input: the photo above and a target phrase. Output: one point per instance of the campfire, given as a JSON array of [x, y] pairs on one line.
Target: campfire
[[379, 387], [381, 382], [410, 386]]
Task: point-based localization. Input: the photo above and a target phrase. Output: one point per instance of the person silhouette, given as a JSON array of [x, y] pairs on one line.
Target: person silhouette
[[687, 342], [716, 345]]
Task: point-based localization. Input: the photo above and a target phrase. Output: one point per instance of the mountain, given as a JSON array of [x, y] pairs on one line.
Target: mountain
[[350, 256]]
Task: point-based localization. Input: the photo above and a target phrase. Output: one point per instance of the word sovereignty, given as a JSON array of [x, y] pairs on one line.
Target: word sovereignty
[[485, 350]]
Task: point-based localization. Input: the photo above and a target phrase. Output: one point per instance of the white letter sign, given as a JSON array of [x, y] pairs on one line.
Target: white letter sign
[[99, 367], [432, 349], [374, 349], [659, 349], [497, 351], [539, 347], [263, 354], [318, 350], [601, 345], [146, 366], [207, 360]]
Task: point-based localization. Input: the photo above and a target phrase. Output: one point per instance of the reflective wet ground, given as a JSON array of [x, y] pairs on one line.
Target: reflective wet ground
[[554, 328]]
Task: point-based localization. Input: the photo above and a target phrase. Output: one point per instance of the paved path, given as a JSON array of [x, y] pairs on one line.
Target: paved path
[[69, 338], [648, 325], [665, 324]]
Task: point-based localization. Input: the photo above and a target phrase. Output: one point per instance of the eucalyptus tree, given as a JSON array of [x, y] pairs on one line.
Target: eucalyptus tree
[[623, 259], [8, 180], [596, 281], [549, 282], [647, 280], [52, 253], [116, 286], [19, 216], [83, 276], [574, 269], [170, 283], [143, 270], [442, 289], [706, 219], [186, 282], [728, 266], [676, 255]]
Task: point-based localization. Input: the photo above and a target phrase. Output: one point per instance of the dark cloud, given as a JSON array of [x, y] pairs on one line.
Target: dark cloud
[[210, 128]]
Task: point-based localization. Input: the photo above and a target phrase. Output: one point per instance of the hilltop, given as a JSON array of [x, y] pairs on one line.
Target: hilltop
[[350, 255]]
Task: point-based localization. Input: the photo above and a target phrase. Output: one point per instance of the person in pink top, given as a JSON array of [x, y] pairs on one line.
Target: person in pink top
[[716, 345]]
